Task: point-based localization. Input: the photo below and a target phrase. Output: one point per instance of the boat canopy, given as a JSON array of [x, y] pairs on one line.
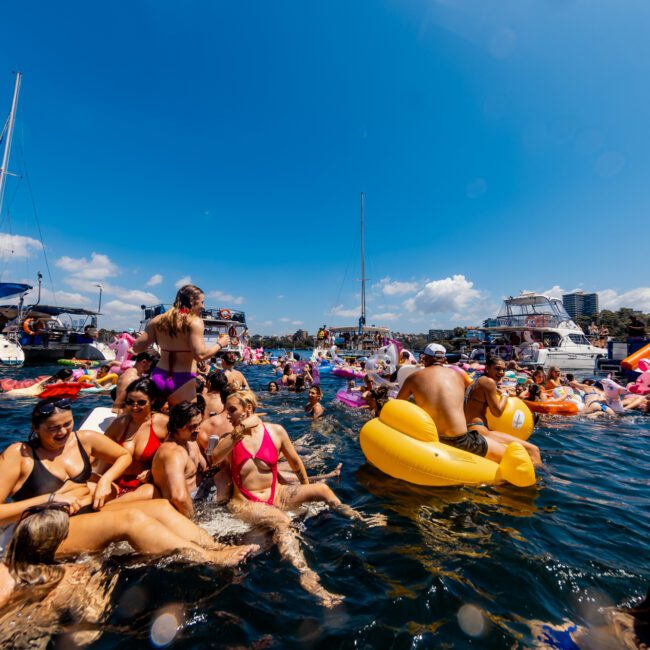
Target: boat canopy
[[9, 289], [354, 329], [532, 310], [42, 311]]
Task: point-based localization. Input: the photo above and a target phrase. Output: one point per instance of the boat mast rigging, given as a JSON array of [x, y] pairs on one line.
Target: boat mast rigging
[[9, 134], [362, 318]]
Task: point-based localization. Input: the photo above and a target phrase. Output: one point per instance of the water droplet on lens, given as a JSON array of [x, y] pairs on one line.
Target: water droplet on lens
[[471, 620], [166, 625]]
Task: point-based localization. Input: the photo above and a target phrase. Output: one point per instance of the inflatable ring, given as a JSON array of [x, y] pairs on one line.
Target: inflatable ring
[[516, 419], [225, 314], [403, 443], [27, 326], [553, 408]]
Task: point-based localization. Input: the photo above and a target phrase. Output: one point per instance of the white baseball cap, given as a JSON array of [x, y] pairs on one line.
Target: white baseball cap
[[435, 350]]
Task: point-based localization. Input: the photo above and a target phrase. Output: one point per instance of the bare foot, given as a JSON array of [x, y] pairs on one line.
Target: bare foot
[[311, 582], [375, 520], [231, 555]]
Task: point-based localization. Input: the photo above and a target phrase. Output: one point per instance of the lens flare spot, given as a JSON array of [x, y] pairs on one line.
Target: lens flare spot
[[471, 620]]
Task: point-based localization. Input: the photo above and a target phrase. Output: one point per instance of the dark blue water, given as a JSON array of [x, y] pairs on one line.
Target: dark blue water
[[500, 556]]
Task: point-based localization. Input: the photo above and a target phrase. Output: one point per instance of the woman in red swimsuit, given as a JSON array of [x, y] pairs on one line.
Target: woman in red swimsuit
[[140, 431], [252, 449]]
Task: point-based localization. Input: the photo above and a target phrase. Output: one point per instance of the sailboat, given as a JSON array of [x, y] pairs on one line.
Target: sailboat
[[360, 339], [36, 332]]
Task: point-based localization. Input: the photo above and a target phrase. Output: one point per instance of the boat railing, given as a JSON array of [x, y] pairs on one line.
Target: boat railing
[[529, 320]]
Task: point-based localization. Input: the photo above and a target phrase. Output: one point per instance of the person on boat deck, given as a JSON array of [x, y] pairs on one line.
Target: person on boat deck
[[179, 465], [179, 333], [636, 328], [252, 450], [236, 379], [554, 378], [144, 362], [483, 394], [140, 431], [314, 408], [56, 465]]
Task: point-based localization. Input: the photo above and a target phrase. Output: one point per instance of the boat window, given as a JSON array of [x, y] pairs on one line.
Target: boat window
[[579, 339], [550, 340]]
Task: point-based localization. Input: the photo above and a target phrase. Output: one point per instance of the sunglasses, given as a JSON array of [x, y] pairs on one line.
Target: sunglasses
[[48, 409], [53, 505], [136, 402]]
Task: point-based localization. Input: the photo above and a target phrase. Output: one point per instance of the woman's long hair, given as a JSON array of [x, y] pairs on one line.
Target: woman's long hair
[[177, 319], [30, 554]]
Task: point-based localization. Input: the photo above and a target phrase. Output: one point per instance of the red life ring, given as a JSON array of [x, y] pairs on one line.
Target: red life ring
[[225, 314], [27, 326]]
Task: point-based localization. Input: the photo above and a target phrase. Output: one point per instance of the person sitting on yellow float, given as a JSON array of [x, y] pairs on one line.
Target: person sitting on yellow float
[[499, 418], [102, 377]]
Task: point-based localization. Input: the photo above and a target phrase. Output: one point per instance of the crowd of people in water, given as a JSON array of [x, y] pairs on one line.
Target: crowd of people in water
[[186, 431]]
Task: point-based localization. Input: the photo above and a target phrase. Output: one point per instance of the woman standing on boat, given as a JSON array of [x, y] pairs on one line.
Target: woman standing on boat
[[179, 333]]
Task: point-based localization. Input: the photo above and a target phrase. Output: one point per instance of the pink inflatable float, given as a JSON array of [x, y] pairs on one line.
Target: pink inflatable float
[[348, 398]]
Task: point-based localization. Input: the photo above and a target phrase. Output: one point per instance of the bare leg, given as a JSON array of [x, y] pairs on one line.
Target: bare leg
[[505, 439], [287, 542], [166, 514], [143, 492], [293, 496], [288, 477], [94, 532]]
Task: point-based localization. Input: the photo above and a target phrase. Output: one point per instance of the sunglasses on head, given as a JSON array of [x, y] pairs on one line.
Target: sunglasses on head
[[52, 505], [48, 409], [136, 402]]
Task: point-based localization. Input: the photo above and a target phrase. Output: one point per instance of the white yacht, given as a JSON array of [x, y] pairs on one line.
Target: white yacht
[[537, 330]]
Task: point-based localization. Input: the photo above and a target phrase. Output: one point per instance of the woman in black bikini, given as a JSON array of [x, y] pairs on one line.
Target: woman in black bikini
[[55, 465]]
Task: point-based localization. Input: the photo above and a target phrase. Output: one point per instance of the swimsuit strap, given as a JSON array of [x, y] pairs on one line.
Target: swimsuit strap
[[267, 453], [152, 444]]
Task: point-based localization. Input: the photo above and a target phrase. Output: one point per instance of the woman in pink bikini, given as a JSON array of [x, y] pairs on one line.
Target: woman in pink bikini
[[179, 333], [253, 449], [140, 431]]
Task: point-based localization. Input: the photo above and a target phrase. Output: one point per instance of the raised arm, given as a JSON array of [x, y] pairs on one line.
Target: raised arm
[[146, 339], [495, 400], [197, 342]]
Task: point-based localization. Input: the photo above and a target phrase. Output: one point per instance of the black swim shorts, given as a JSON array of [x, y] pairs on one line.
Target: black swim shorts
[[471, 441]]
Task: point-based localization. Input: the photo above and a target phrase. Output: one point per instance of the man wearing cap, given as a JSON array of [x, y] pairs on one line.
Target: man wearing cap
[[440, 392], [236, 379]]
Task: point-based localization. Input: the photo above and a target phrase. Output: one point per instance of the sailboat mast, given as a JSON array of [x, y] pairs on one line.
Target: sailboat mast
[[9, 135], [362, 319]]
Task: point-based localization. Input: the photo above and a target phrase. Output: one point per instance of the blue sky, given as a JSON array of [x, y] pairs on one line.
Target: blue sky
[[501, 146]]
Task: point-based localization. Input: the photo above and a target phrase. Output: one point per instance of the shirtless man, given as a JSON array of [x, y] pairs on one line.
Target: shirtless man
[[216, 422], [144, 362], [440, 392], [236, 379], [179, 464], [484, 394]]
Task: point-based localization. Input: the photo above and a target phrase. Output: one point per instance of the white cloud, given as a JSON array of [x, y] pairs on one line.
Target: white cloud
[[339, 310], [385, 316], [19, 246], [396, 288], [81, 284], [455, 295], [62, 298], [181, 282], [280, 297], [226, 297], [98, 267], [556, 291], [284, 319], [154, 280], [638, 299], [121, 308], [297, 322]]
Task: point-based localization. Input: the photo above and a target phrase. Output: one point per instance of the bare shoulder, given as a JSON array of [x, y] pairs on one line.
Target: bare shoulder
[[276, 430], [15, 452]]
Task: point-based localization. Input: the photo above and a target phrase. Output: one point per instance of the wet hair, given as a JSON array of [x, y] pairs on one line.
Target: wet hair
[[570, 376], [534, 391], [318, 390], [146, 386], [147, 355], [200, 384], [288, 369], [30, 553], [245, 397], [218, 383], [273, 383], [179, 317], [299, 384], [641, 615], [201, 403], [41, 414], [181, 414]]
